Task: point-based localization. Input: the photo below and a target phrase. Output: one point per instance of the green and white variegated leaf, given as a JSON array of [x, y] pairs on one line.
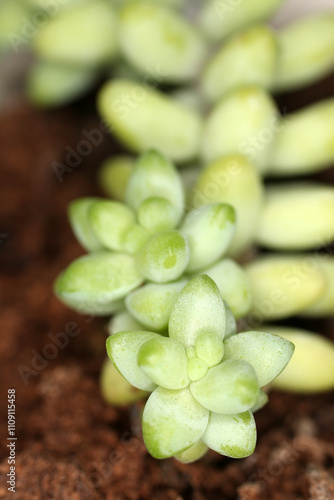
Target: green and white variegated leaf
[[123, 321], [110, 220], [233, 285], [172, 422], [164, 361], [151, 304], [198, 309], [231, 435], [177, 134], [157, 214], [164, 257], [195, 452], [122, 349], [155, 36], [233, 123], [97, 283], [230, 387], [268, 354], [78, 216], [209, 231], [154, 175], [115, 389], [260, 402]]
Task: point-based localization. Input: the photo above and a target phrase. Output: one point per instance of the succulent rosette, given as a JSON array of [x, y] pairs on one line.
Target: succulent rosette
[[148, 240], [205, 380]]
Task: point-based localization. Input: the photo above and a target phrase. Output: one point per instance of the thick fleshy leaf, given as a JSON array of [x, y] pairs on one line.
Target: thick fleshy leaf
[[134, 238], [114, 174], [195, 452], [157, 214], [311, 369], [304, 59], [78, 211], [197, 368], [154, 175], [172, 422], [151, 304], [95, 283], [210, 348], [155, 36], [110, 220], [283, 285], [232, 179], [239, 117], [297, 216], [198, 309], [115, 389], [233, 285], [230, 387], [131, 108], [268, 354], [164, 361], [122, 349], [231, 435], [221, 19], [209, 231], [85, 34], [51, 84], [123, 321], [231, 324], [164, 257], [250, 57], [260, 402], [324, 306]]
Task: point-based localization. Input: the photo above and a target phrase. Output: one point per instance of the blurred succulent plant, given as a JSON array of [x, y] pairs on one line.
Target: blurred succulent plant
[[205, 380]]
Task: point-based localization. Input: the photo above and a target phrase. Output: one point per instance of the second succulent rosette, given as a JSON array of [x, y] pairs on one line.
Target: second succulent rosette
[[205, 379]]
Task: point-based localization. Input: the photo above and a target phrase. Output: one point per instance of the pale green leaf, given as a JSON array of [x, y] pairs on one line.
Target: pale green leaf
[[230, 387], [210, 348], [122, 349], [115, 389], [134, 238], [151, 304], [231, 435], [268, 354], [198, 309], [95, 283], [154, 175], [261, 401], [164, 361], [113, 176], [123, 321], [233, 285], [209, 231], [195, 452], [78, 216], [157, 214], [164, 257], [110, 220], [172, 422]]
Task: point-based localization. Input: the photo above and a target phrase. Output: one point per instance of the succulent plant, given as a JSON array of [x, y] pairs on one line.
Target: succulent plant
[[149, 239], [205, 380]]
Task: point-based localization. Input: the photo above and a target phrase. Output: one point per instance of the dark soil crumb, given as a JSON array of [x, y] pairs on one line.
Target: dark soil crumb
[[71, 445]]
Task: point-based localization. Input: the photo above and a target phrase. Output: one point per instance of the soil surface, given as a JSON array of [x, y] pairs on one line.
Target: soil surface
[[71, 445]]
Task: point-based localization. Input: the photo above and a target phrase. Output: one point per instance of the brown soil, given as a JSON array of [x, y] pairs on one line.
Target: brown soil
[[70, 444]]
